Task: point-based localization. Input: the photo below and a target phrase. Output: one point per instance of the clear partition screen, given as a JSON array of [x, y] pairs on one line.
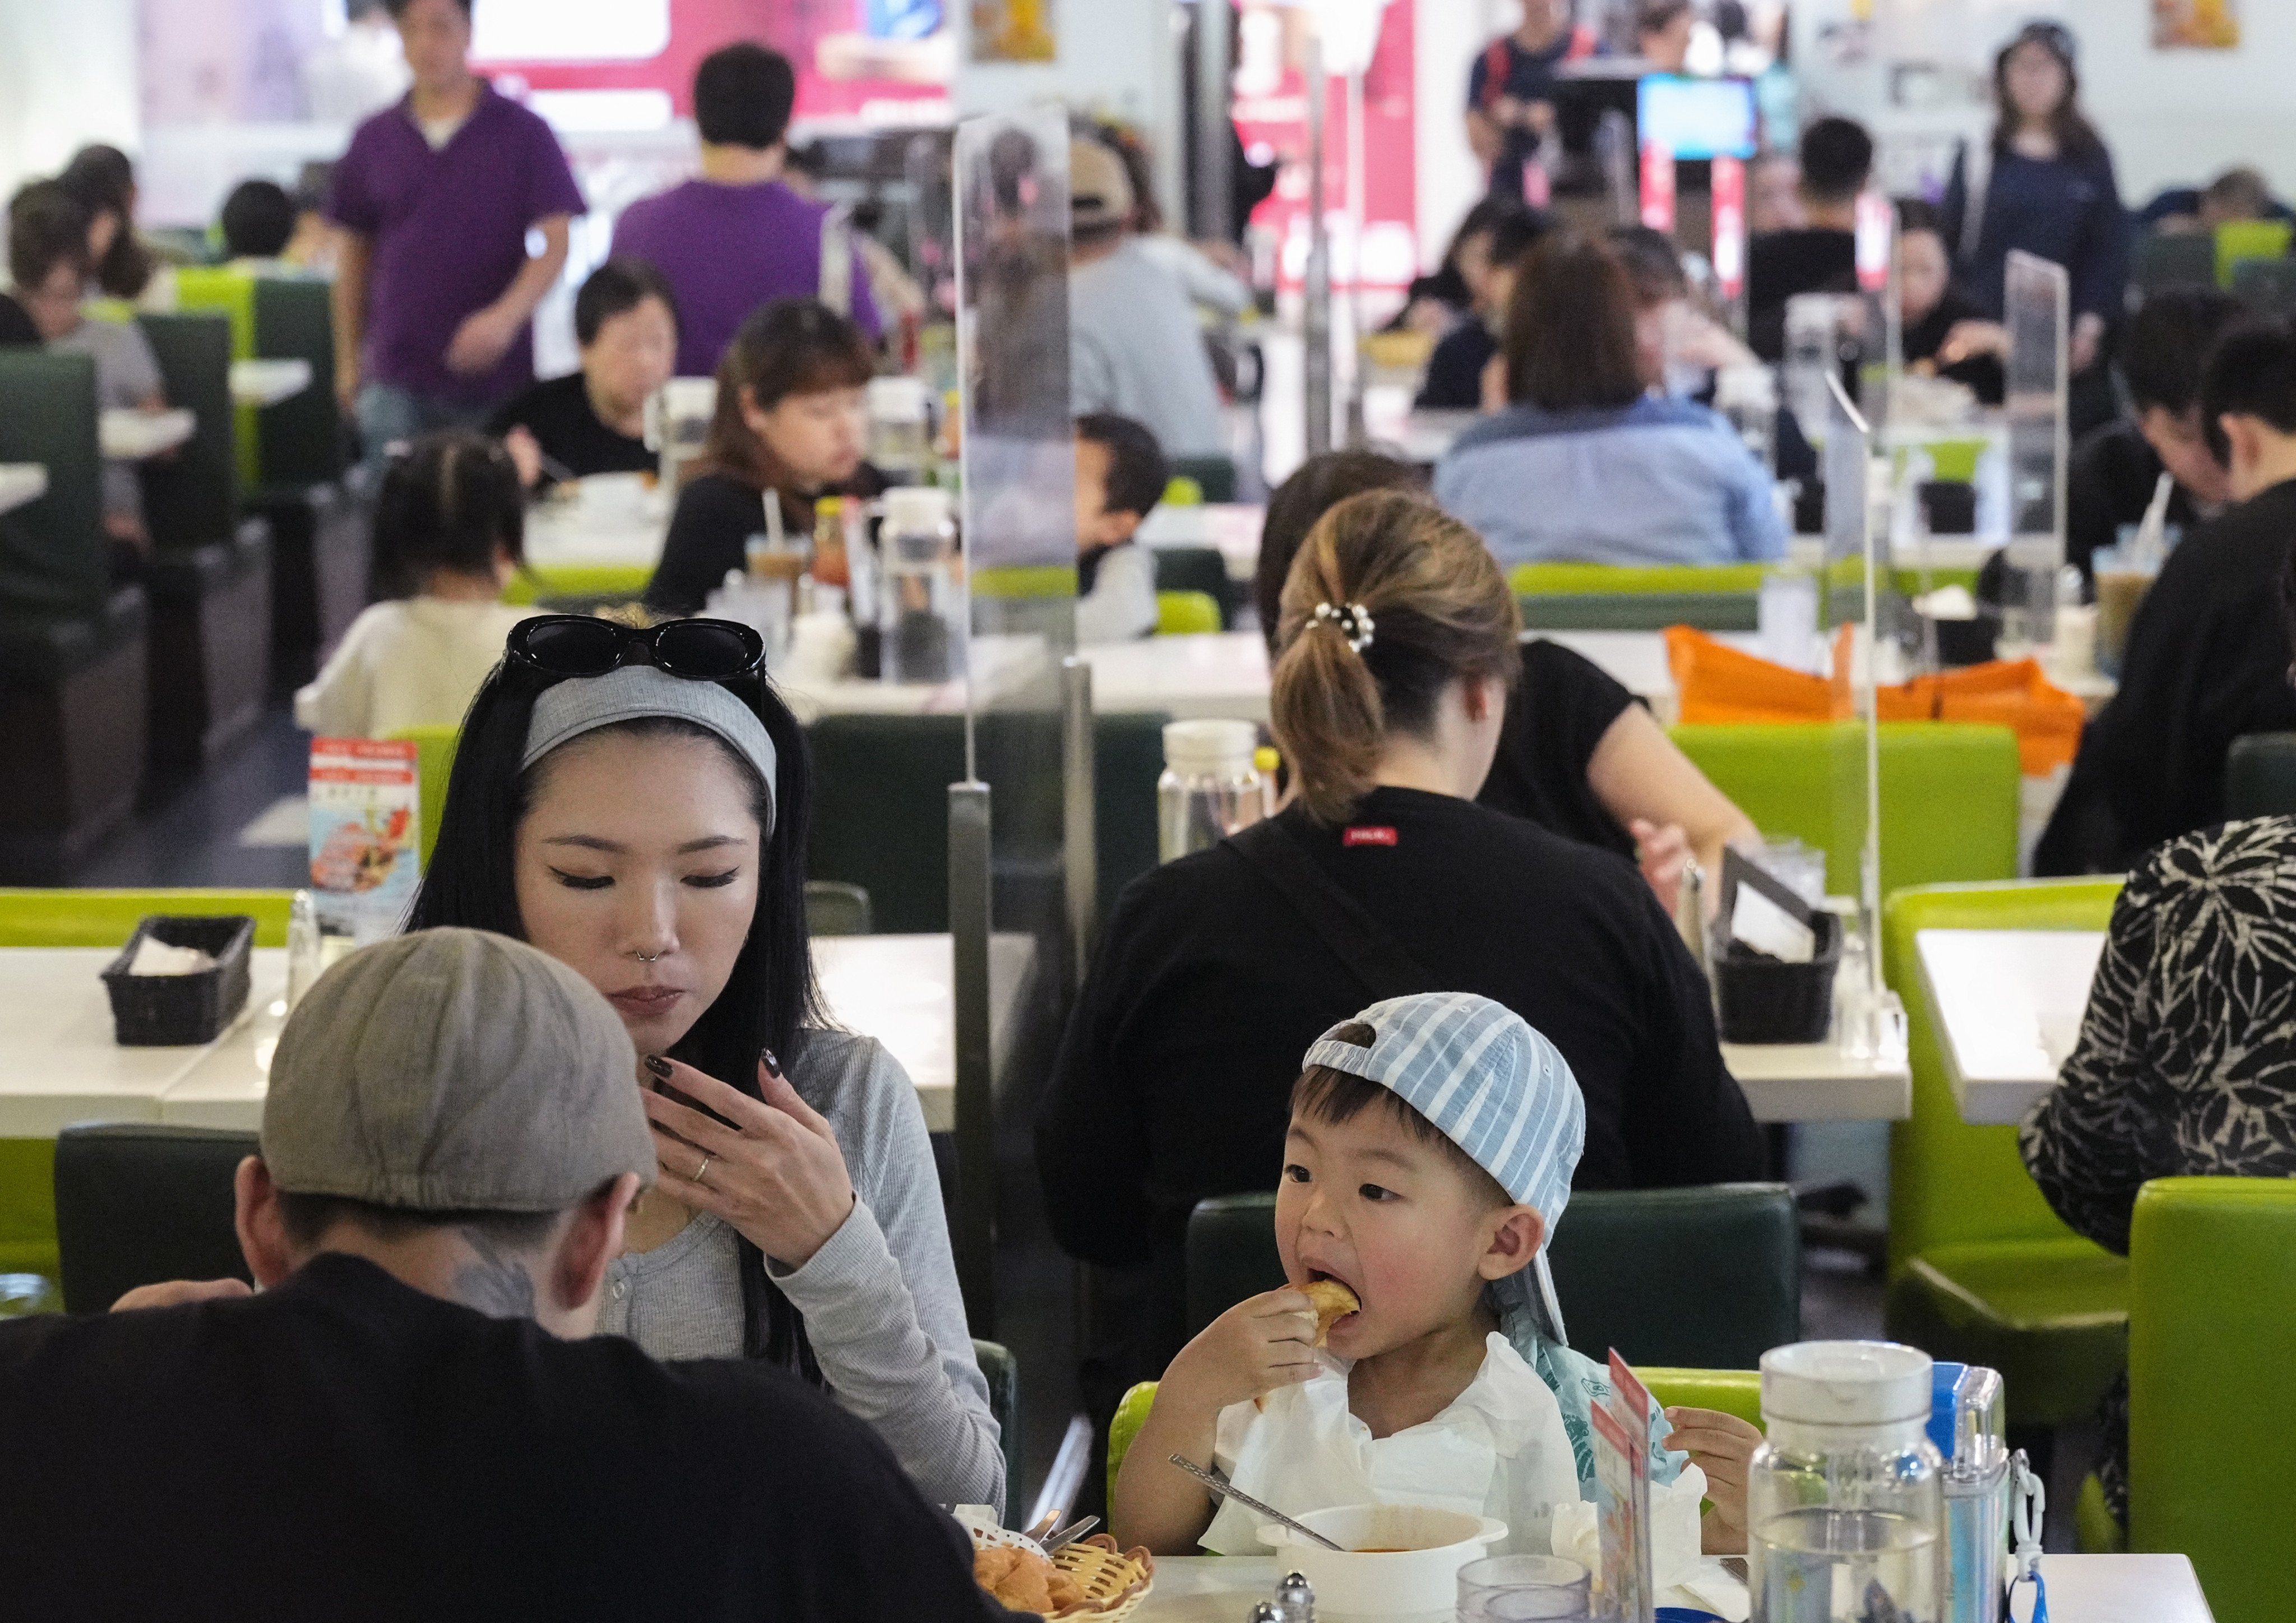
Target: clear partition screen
[[1852, 594], [2034, 309], [1008, 841]]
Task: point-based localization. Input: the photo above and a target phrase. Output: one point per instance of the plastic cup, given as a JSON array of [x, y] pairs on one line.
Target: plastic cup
[[1511, 1588]]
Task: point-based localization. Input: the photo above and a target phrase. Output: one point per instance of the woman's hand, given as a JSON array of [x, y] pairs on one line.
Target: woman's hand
[[2087, 336], [1261, 1343], [1969, 339], [176, 1292], [1662, 851], [1722, 1446], [776, 1174]]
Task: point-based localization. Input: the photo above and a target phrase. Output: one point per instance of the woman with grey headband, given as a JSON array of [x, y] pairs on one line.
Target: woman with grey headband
[[634, 803]]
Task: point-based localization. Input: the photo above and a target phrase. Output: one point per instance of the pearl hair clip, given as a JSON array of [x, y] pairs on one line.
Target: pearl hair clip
[[1350, 620]]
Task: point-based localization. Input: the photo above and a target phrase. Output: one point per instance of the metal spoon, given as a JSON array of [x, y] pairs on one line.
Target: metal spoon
[[1070, 1534], [1219, 1485]]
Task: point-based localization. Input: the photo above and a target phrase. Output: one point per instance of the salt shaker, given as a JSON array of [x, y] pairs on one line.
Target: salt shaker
[[1295, 1602]]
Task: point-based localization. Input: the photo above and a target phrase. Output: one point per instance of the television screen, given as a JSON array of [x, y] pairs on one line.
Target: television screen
[[1696, 118]]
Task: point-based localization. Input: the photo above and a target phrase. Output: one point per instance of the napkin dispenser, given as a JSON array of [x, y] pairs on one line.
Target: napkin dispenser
[[1773, 960], [179, 1010]]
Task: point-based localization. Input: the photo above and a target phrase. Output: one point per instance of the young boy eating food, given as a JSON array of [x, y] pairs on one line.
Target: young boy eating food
[[1417, 1356]]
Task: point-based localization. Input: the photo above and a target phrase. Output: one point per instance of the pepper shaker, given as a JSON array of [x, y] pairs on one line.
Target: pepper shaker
[[1295, 1600]]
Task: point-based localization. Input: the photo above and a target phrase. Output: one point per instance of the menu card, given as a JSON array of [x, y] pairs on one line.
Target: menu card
[[366, 801], [1622, 1496]]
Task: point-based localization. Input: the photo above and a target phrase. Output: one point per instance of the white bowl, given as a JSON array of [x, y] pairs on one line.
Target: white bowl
[[1400, 1560]]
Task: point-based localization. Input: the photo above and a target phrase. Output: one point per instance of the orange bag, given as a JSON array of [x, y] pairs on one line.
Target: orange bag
[[1715, 682]]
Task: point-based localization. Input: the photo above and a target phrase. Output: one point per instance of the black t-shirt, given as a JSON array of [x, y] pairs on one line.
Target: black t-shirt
[[559, 416], [1924, 338], [1555, 718], [1174, 1074], [1455, 370], [2207, 662], [709, 534], [345, 1447], [16, 328], [1781, 263]]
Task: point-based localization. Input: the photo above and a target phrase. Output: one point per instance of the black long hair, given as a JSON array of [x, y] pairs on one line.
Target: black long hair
[[771, 999]]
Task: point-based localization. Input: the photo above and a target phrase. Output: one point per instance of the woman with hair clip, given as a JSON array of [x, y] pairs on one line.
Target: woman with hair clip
[[2044, 184], [634, 803], [103, 181], [1397, 648], [792, 426]]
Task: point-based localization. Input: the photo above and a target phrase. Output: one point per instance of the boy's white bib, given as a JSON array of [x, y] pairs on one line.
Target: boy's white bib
[[1499, 1450]]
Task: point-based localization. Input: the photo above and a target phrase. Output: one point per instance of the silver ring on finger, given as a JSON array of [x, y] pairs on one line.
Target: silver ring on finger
[[701, 1173]]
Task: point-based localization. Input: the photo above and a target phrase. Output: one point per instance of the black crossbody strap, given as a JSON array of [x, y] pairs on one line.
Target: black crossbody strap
[[1370, 951]]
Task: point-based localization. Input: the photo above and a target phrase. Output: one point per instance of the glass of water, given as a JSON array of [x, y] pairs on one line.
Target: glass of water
[[1506, 1588]]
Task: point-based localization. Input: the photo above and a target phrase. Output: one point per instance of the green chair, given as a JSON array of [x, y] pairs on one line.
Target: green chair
[[835, 908], [320, 527], [54, 559], [209, 576], [1804, 781], [228, 292], [1199, 569], [1707, 1276], [2240, 242], [2184, 260], [1128, 758], [2211, 1337], [1639, 611], [138, 1202], [1215, 476], [1002, 1371], [89, 918], [2261, 775], [2267, 286], [1731, 1391], [564, 586], [1186, 613], [1981, 1270], [1659, 580], [434, 767], [881, 812]]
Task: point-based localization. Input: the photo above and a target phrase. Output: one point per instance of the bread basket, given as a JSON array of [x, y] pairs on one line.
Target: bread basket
[[1114, 1581]]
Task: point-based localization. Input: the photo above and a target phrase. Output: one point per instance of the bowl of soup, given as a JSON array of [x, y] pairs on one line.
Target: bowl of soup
[[1395, 1561]]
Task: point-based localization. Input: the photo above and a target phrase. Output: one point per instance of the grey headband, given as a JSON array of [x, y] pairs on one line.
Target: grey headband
[[639, 693]]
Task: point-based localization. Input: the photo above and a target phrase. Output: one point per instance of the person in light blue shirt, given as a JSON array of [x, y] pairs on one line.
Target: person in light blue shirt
[[1585, 466]]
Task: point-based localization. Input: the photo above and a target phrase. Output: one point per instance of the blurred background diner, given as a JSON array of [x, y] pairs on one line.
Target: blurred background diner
[[1090, 539]]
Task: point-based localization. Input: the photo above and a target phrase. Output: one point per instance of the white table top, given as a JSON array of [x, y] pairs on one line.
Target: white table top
[[126, 435], [60, 1063], [2082, 1589], [21, 483], [2009, 1004], [602, 521], [1819, 1082], [1232, 527], [267, 383]]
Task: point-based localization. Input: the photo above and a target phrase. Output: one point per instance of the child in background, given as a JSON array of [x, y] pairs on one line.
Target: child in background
[[51, 260], [258, 222], [1431, 1150], [1121, 476], [449, 531]]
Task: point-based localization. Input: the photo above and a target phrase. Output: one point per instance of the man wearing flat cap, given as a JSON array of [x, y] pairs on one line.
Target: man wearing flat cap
[[409, 1418]]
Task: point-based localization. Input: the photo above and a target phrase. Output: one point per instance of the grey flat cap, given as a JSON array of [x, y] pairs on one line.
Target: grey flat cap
[[454, 1070]]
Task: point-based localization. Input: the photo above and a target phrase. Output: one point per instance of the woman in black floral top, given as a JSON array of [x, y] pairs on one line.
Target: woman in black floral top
[[2186, 1064]]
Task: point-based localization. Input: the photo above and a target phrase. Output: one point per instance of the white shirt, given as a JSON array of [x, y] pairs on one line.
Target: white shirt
[[415, 663], [1122, 603], [1498, 1450]]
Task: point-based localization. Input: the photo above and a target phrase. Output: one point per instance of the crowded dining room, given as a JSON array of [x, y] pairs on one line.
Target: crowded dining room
[[717, 722]]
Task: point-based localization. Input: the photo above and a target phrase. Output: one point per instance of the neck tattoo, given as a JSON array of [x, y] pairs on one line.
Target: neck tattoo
[[494, 1285]]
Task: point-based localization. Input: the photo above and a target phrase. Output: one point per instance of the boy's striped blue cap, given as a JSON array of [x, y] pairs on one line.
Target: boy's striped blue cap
[[1492, 1086]]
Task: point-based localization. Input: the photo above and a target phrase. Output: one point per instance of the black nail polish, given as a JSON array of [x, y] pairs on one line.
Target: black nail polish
[[772, 1064], [655, 1063]]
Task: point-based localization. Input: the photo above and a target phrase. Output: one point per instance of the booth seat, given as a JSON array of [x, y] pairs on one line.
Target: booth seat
[[1981, 1271]]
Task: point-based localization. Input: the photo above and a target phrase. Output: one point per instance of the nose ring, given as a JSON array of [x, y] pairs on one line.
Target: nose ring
[[645, 957]]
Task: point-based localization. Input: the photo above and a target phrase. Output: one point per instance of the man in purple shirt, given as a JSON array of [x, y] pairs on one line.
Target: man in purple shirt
[[436, 292], [737, 237]]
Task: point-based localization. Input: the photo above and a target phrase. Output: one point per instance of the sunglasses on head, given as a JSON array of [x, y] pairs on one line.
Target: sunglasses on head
[[577, 645]]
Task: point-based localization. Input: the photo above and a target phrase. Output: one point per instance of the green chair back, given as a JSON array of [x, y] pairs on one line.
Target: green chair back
[[2261, 775], [1639, 611], [1660, 580], [2211, 1336], [53, 559], [1707, 1276], [835, 908], [1128, 758], [107, 918], [2164, 262], [138, 1202], [1025, 580], [301, 439], [2239, 241], [1804, 782], [1215, 476], [434, 766], [559, 584], [192, 498], [1981, 1270], [225, 291], [1186, 613], [1002, 1371], [881, 812]]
